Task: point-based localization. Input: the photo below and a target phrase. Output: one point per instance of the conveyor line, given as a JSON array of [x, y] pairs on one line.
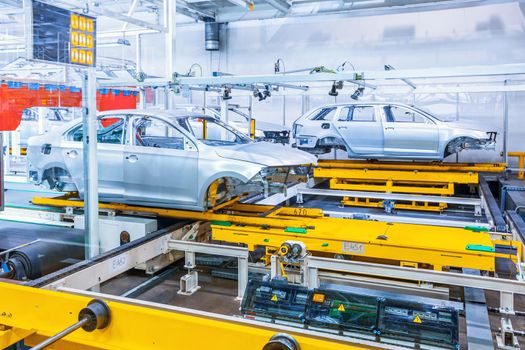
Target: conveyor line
[[256, 225]]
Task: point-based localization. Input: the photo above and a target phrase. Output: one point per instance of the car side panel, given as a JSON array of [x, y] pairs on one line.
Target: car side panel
[[410, 138], [110, 167], [161, 175], [362, 137]]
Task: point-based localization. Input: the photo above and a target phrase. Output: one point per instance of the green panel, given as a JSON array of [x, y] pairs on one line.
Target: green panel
[[221, 223], [480, 248], [476, 228], [295, 230]]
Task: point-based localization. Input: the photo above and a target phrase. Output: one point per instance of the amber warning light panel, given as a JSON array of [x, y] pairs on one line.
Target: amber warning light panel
[[63, 36]]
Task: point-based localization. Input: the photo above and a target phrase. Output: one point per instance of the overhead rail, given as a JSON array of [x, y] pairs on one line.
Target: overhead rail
[[427, 73]]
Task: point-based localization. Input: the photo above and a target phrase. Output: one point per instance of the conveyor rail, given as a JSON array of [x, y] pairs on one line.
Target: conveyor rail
[[474, 202], [269, 226], [402, 177]]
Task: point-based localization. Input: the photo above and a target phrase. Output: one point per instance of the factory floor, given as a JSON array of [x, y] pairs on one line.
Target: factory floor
[[217, 295]]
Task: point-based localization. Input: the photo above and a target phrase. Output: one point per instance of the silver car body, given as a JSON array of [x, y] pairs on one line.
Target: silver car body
[[385, 130], [40, 120], [264, 131], [172, 170]]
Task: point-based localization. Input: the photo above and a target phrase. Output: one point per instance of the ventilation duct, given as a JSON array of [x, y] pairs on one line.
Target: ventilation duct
[[211, 35]]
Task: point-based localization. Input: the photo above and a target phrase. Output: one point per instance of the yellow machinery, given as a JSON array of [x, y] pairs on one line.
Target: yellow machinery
[[521, 163], [429, 178], [144, 325], [405, 244], [32, 315]]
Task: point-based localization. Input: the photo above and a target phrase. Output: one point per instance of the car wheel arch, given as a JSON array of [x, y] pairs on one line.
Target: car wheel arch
[[222, 175], [455, 139], [52, 171]]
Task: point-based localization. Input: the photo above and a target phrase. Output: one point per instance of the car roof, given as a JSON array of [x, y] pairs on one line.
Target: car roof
[[170, 114], [363, 103]]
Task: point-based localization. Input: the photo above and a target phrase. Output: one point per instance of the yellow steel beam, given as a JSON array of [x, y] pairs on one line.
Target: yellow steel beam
[[391, 187], [406, 205], [521, 163], [419, 166], [415, 176], [257, 225], [402, 177], [427, 245], [240, 218], [35, 314]]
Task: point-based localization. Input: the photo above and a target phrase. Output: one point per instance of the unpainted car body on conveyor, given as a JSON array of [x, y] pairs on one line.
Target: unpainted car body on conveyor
[[161, 158], [264, 131], [373, 130]]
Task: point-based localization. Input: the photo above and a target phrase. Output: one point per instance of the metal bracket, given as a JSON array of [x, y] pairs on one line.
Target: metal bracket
[[506, 339], [507, 303], [189, 283]]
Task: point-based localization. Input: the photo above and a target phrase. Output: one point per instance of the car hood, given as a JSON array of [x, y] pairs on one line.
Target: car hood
[[267, 154], [262, 126], [465, 127]]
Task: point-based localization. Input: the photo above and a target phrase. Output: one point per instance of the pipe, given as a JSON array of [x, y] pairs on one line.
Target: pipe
[[61, 334], [212, 37]]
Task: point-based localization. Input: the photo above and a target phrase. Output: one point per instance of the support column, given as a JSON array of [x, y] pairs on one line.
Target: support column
[[224, 110], [170, 22], [138, 69], [242, 277], [89, 126]]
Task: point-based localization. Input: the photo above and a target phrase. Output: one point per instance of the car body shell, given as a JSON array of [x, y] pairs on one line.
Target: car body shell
[[264, 131], [52, 117], [384, 138], [163, 177]]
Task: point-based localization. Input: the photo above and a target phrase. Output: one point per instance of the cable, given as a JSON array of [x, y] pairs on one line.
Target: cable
[[277, 67], [194, 65], [342, 66]]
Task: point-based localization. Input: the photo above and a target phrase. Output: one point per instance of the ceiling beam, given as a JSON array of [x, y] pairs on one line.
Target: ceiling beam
[[130, 13], [14, 3], [186, 12], [282, 5], [193, 11], [243, 3]]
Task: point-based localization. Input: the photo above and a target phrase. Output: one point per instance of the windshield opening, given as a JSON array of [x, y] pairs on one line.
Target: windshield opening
[[213, 132], [428, 113]]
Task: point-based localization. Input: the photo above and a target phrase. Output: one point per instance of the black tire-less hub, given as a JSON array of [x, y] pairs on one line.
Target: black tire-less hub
[[282, 341], [98, 315]]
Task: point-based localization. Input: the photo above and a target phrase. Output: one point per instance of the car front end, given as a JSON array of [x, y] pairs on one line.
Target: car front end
[[301, 139], [278, 167], [282, 136], [461, 137]]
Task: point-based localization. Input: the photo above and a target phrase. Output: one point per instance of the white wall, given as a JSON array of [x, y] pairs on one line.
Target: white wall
[[483, 35], [480, 35]]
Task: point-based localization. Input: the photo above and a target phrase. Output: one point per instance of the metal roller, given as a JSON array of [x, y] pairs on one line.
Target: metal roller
[[40, 258]]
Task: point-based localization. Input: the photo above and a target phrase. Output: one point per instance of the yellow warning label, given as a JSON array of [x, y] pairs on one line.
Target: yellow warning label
[[274, 298], [417, 319], [341, 308]]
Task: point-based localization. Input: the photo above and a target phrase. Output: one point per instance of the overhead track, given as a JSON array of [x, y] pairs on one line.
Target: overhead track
[[427, 73]]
